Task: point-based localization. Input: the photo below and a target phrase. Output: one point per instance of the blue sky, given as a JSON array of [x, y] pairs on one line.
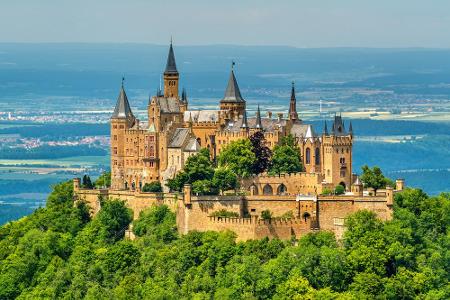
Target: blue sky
[[314, 23]]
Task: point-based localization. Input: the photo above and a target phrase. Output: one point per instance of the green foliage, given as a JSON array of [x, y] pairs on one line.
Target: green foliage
[[286, 157], [103, 181], [374, 178], [327, 191], [59, 252], [339, 190], [152, 187], [225, 213], [238, 157], [197, 168], [86, 182], [266, 214], [224, 179]]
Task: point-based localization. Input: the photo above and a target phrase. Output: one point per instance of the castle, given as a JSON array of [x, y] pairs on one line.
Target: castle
[[143, 152]]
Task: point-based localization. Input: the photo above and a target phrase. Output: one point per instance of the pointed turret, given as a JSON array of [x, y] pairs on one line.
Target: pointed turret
[[325, 128], [244, 121], [258, 124], [350, 128], [183, 96], [293, 115], [232, 99], [190, 122], [338, 126], [171, 76], [171, 66], [232, 93], [123, 109]]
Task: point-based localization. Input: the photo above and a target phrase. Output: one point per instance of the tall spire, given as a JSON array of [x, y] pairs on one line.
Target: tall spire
[[123, 109], [244, 120], [183, 95], [293, 105], [190, 122], [232, 93], [171, 66], [325, 129], [258, 119]]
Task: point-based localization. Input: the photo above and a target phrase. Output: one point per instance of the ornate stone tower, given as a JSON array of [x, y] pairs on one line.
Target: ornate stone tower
[[337, 154], [171, 76], [233, 100], [121, 120], [293, 115]]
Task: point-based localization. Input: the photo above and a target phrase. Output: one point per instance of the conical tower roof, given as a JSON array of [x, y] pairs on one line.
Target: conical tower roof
[[244, 120], [232, 93], [293, 115], [325, 129], [171, 66], [123, 109], [258, 119]]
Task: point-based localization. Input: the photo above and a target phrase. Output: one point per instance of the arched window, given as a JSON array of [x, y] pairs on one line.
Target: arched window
[[152, 151], [199, 141], [306, 215], [255, 189], [308, 156], [317, 156], [267, 190], [282, 189]]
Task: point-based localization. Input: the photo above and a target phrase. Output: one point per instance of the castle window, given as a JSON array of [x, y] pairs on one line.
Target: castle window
[[282, 189], [152, 151], [308, 156], [115, 137], [317, 156], [342, 173], [152, 138], [267, 190], [115, 150]]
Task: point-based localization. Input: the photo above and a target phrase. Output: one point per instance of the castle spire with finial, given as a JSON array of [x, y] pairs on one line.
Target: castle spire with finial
[[293, 115], [258, 124]]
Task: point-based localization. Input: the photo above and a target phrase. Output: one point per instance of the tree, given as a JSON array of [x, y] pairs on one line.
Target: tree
[[203, 187], [86, 182], [374, 178], [224, 179], [262, 153], [286, 157], [114, 218], [238, 157], [266, 214], [339, 190], [152, 187], [104, 180], [197, 167]]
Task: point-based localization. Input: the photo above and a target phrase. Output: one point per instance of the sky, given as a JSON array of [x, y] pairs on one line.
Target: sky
[[298, 23]]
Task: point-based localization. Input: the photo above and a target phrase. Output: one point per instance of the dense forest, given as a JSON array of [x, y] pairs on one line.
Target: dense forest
[[60, 252]]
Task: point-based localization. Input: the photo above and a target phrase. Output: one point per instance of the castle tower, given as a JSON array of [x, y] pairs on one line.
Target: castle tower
[[337, 154], [258, 124], [121, 120], [171, 76], [293, 115], [233, 100]]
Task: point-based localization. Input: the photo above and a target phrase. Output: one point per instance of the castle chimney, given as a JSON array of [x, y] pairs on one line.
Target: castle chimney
[[269, 114], [76, 184], [279, 116]]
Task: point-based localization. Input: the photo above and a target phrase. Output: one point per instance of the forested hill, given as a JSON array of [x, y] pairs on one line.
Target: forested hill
[[59, 252]]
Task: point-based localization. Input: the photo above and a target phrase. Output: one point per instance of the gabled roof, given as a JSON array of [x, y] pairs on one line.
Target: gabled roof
[[123, 109], [303, 130], [171, 66], [168, 105], [179, 138], [201, 115], [232, 93], [192, 145]]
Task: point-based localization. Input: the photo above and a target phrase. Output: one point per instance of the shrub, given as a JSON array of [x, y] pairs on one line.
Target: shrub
[[266, 214], [225, 214], [327, 191], [152, 187], [339, 190]]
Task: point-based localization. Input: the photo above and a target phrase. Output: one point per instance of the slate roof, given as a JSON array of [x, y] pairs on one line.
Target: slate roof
[[201, 115], [232, 93], [168, 105], [179, 138], [304, 130], [192, 145], [171, 66], [269, 125], [123, 109]]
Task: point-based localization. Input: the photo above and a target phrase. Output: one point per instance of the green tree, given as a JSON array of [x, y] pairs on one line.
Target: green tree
[[224, 179], [103, 181], [339, 190], [86, 182], [374, 178], [262, 153], [266, 214], [114, 218], [152, 187], [238, 157], [286, 157]]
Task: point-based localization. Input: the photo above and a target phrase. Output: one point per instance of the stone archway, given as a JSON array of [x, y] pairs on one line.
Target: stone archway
[[267, 190], [282, 189], [343, 184], [253, 189]]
